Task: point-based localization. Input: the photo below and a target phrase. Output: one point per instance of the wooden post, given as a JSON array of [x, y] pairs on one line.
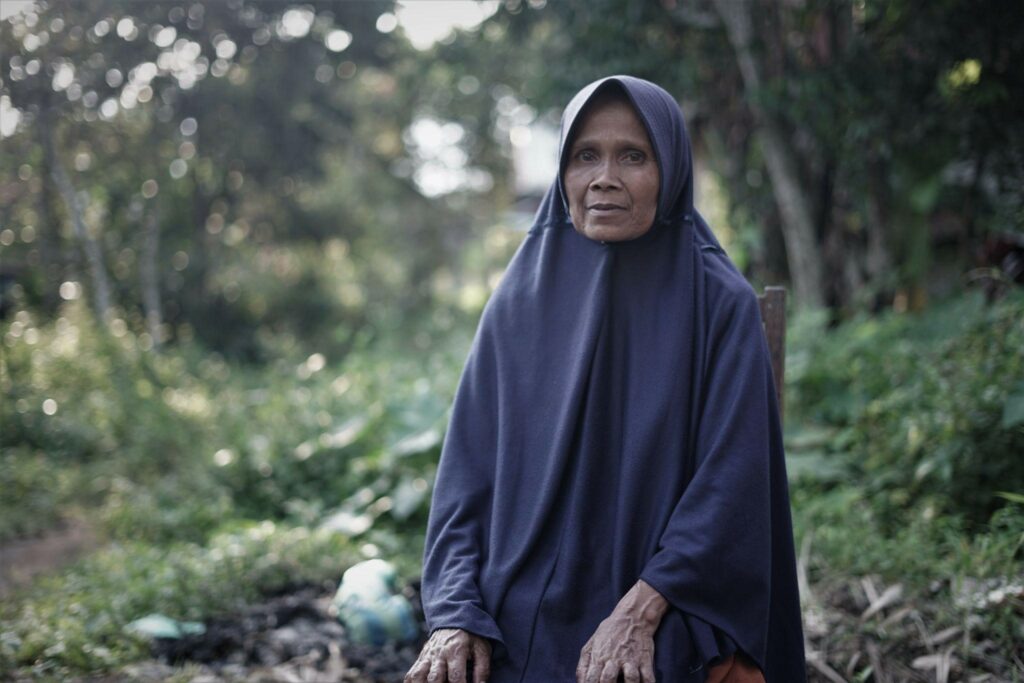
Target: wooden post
[[773, 315]]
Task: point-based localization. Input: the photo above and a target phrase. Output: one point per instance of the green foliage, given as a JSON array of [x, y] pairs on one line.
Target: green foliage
[[954, 567], [293, 439], [903, 463], [922, 406], [193, 445], [35, 493], [80, 409], [272, 149], [191, 448], [167, 445], [106, 393], [74, 622], [181, 506], [848, 536]]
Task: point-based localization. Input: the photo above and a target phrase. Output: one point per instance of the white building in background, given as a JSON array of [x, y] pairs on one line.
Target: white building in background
[[534, 166], [534, 157]]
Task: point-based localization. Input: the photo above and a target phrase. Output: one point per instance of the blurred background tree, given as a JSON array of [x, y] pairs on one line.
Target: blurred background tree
[[864, 146], [193, 164], [159, 152]]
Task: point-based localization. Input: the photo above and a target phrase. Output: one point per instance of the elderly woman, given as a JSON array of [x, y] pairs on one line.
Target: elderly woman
[[611, 500]]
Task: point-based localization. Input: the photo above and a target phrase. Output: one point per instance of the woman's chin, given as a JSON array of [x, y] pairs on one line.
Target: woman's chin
[[611, 232]]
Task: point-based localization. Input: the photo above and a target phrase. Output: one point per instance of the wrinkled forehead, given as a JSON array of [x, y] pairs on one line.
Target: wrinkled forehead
[[608, 100], [608, 92]]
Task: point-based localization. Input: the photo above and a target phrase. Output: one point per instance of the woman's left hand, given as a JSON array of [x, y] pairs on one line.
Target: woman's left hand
[[620, 645], [624, 642]]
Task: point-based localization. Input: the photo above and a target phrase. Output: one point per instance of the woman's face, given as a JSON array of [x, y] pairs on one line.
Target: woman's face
[[611, 176]]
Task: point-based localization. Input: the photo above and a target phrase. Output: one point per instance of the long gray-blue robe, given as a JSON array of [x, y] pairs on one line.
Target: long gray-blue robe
[[616, 420]]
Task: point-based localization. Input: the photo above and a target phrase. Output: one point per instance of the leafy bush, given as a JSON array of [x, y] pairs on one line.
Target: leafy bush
[[849, 537], [903, 453], [35, 493], [921, 408], [299, 439], [167, 446], [80, 394], [181, 506], [952, 575]]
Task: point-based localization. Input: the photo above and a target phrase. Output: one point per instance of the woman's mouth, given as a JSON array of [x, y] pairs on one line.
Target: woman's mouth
[[605, 208]]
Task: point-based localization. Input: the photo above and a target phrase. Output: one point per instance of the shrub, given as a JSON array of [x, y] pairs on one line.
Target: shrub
[[922, 406]]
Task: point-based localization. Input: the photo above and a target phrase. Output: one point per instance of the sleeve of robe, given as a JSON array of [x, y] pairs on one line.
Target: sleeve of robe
[[713, 561], [460, 505]]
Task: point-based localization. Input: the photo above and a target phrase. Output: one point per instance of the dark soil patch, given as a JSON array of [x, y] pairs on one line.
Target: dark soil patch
[[291, 637]]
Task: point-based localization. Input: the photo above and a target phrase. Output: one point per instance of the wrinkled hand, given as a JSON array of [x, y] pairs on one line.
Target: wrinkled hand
[[624, 642], [445, 656], [621, 644]]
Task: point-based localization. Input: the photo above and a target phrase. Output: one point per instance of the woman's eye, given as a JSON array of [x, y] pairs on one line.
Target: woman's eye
[[586, 155], [635, 157]]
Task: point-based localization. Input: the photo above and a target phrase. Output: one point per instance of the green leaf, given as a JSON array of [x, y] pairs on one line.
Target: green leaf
[[1013, 409], [1012, 497]]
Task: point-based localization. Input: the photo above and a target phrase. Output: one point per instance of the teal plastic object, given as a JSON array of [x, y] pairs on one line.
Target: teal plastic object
[[162, 626], [370, 607]]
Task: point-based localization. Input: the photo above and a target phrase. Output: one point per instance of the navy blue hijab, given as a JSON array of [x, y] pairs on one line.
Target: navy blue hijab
[[616, 420]]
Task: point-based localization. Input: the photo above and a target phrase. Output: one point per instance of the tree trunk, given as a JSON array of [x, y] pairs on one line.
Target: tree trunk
[[879, 262], [93, 254], [149, 277], [50, 251], [802, 249]]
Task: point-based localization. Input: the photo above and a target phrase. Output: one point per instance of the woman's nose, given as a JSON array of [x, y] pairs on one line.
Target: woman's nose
[[605, 177]]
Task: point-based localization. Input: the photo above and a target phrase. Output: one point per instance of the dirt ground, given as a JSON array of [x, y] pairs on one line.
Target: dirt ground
[[856, 628], [23, 559]]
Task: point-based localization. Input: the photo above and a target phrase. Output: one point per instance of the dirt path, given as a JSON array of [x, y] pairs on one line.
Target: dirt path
[[22, 560]]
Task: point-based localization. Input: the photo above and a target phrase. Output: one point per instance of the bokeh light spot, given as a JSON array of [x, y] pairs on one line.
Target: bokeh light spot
[[387, 22], [338, 40]]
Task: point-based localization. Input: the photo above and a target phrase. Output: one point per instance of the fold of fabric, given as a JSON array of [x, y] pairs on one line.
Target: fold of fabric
[[616, 420]]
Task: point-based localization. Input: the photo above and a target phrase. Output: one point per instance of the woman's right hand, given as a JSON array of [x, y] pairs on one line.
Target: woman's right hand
[[446, 654]]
